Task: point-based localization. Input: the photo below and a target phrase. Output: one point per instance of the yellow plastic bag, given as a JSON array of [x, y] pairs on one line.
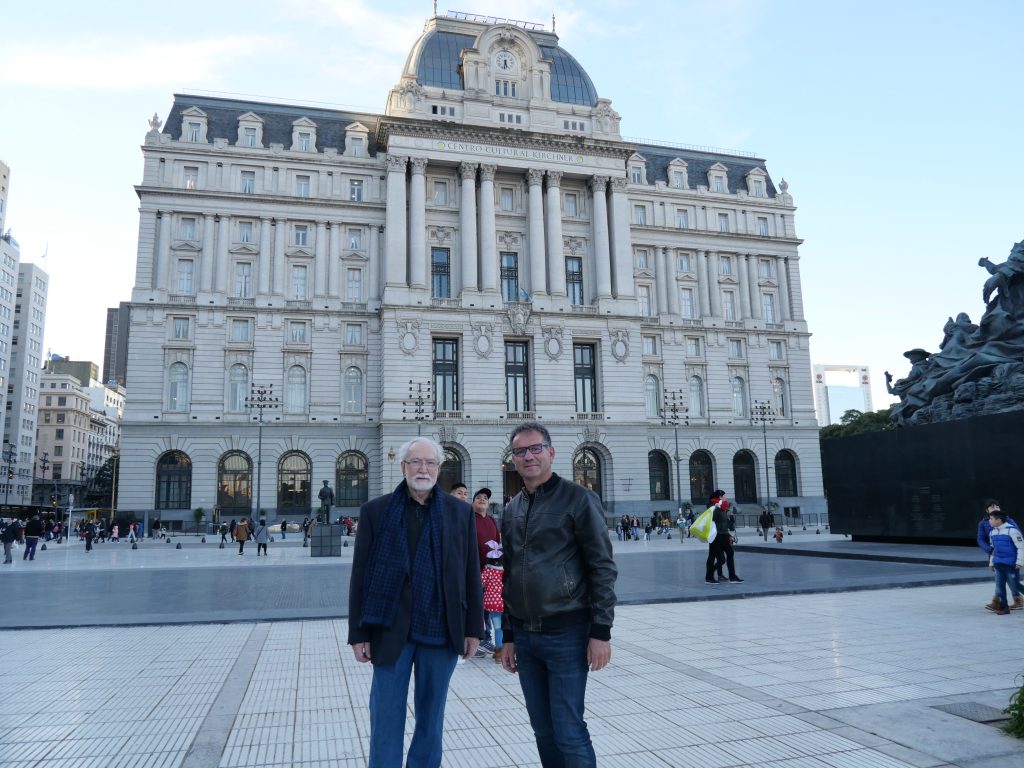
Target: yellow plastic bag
[[704, 527]]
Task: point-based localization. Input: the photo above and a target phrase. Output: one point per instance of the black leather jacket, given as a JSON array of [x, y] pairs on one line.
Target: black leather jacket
[[558, 559]]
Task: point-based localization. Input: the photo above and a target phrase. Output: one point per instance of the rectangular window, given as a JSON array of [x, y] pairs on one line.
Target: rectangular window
[[507, 199], [686, 308], [440, 193], [636, 174], [355, 190], [640, 215], [682, 218], [762, 226], [643, 296], [239, 330], [354, 284], [58, 471], [62, 401], [719, 184], [574, 279], [775, 350], [61, 418], [723, 222], [185, 269], [725, 265], [58, 450], [505, 88], [302, 186], [297, 332], [729, 305], [355, 239], [301, 234], [193, 131], [299, 274], [245, 231], [650, 345], [187, 229], [243, 279], [59, 434], [248, 182], [191, 177], [510, 278], [641, 259], [758, 188], [250, 137], [440, 273], [693, 346], [357, 147], [353, 334], [736, 348], [768, 308], [446, 374], [585, 375], [570, 204], [517, 385], [180, 329], [678, 179], [304, 142], [764, 268], [685, 263]]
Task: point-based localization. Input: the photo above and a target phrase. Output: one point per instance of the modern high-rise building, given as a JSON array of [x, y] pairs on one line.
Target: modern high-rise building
[[840, 388], [10, 257], [115, 347], [488, 250]]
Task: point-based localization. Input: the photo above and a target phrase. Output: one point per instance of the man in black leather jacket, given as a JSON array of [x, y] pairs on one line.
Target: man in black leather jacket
[[559, 597]]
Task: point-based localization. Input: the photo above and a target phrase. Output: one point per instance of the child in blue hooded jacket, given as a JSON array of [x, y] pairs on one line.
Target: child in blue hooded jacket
[[1006, 559]]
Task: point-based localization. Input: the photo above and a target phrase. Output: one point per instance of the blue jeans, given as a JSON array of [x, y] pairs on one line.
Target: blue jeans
[[388, 694], [30, 548], [553, 674], [1006, 574], [493, 620]]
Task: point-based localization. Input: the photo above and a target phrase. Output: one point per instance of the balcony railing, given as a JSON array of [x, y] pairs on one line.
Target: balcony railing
[[521, 416], [447, 415], [353, 306], [241, 301], [590, 416], [436, 302], [583, 309], [775, 326], [181, 298], [733, 323], [296, 304], [690, 323]]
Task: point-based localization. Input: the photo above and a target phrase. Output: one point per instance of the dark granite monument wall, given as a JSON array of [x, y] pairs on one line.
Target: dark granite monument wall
[[925, 482]]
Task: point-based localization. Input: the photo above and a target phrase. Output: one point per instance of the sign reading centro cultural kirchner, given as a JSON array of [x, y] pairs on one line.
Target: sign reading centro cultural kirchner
[[517, 153]]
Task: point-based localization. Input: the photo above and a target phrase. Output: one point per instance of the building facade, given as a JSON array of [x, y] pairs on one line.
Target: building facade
[[839, 388], [10, 257], [488, 250], [115, 347]]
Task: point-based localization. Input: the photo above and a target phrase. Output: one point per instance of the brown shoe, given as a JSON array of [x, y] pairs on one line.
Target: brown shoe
[[992, 605], [1018, 603]]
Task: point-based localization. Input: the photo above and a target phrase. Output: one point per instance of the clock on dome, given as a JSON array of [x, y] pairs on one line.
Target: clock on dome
[[505, 61]]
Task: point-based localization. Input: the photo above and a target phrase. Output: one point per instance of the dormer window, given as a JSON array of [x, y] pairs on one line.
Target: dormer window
[[304, 135], [677, 174], [358, 146], [756, 183], [636, 174], [718, 183], [357, 140], [718, 179], [193, 125], [303, 142], [250, 130], [193, 131], [250, 137]]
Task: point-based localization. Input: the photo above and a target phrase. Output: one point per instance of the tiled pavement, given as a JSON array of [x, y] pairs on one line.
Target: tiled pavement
[[838, 680]]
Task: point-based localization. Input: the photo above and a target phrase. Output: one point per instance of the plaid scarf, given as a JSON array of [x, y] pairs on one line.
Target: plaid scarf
[[389, 567]]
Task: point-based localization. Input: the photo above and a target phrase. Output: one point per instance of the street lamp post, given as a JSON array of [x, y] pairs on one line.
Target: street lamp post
[[9, 455], [391, 466], [260, 399], [418, 405], [44, 463], [672, 414], [764, 412]]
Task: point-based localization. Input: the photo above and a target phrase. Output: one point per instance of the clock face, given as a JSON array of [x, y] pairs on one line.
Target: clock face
[[505, 61]]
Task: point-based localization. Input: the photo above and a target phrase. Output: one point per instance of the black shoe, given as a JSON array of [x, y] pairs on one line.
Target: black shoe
[[735, 580], [711, 581]]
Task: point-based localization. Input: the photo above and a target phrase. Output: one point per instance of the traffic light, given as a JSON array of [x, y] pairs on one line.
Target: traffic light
[[53, 500], [10, 472]]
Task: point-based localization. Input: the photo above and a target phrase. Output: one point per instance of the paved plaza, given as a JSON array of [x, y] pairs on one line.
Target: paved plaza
[[833, 679]]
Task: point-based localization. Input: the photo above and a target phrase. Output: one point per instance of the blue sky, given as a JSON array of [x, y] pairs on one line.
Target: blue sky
[[897, 126]]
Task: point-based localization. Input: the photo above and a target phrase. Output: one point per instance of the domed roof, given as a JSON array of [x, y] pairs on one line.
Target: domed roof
[[436, 58]]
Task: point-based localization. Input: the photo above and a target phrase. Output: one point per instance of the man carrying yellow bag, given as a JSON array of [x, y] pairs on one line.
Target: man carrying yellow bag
[[704, 526], [719, 544]]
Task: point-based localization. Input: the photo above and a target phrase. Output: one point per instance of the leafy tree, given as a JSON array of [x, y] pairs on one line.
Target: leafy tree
[[854, 422]]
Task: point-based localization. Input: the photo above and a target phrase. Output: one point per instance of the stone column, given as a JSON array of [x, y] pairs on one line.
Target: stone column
[[263, 285], [488, 231], [602, 247], [555, 248], [206, 266], [163, 249], [374, 252], [622, 255], [277, 289], [467, 226], [743, 274], [661, 279], [144, 269], [781, 267], [755, 291], [673, 286], [223, 259], [703, 286], [538, 262], [716, 290], [394, 223], [320, 260], [336, 234], [418, 224]]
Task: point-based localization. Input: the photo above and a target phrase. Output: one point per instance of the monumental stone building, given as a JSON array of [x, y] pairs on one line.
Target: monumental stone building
[[488, 250]]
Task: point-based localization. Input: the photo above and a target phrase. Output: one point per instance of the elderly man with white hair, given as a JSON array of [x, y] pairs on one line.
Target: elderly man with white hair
[[415, 604]]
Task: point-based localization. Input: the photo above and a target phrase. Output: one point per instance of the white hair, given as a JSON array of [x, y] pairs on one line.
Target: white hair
[[403, 452]]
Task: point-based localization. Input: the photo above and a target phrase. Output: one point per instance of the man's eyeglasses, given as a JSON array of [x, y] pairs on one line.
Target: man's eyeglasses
[[534, 449], [430, 464]]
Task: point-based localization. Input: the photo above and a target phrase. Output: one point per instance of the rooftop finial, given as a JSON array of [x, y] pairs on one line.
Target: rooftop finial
[[552, 21], [435, 7]]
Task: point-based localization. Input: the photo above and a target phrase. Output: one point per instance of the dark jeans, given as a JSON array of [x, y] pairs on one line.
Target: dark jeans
[[30, 548], [1006, 574], [241, 546], [730, 555], [716, 557], [553, 674], [433, 667], [261, 548]]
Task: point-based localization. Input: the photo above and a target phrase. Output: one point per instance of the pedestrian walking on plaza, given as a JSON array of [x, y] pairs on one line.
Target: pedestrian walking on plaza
[[720, 549], [284, 529], [305, 528], [984, 541], [765, 521], [90, 534], [115, 533], [683, 528], [241, 535], [131, 533], [493, 577], [231, 529], [9, 534], [223, 533], [486, 533], [626, 526], [559, 598], [33, 530], [262, 536], [1006, 559], [415, 604]]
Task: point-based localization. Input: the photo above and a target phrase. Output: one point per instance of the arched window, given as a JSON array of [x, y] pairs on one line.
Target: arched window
[[739, 397], [657, 469], [295, 394], [744, 477], [696, 396], [779, 397], [293, 480], [652, 397], [173, 480], [351, 484], [586, 470], [702, 477], [234, 483], [238, 387], [451, 470], [785, 474], [353, 390], [177, 387]]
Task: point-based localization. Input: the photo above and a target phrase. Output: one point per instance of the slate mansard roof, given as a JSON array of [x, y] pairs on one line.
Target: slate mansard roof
[[699, 163]]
